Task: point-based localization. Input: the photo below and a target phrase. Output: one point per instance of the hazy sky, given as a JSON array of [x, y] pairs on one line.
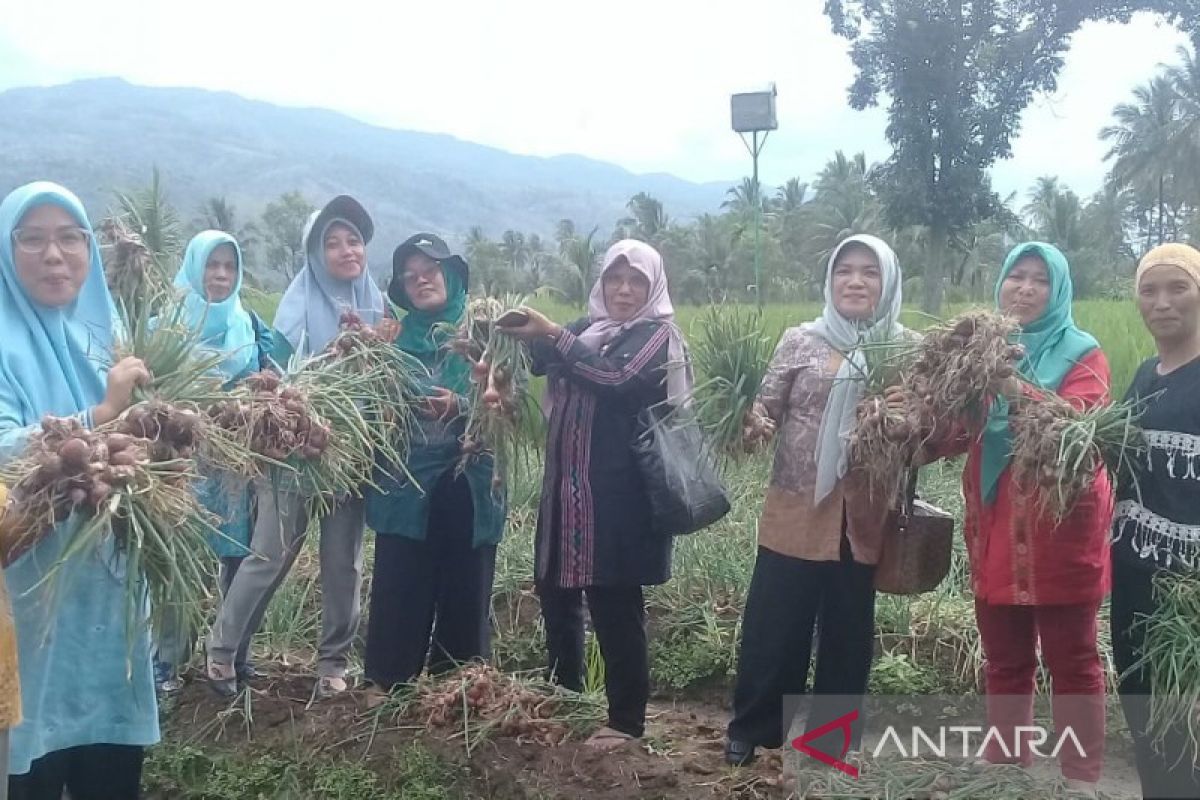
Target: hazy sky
[[642, 83]]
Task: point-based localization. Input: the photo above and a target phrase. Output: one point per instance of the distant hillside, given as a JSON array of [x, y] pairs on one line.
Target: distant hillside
[[99, 135]]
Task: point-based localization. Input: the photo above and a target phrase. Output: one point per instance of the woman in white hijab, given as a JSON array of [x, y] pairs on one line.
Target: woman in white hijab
[[335, 280], [594, 534], [821, 529]]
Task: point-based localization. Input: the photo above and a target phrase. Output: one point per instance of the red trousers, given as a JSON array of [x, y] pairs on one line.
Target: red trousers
[[1010, 637]]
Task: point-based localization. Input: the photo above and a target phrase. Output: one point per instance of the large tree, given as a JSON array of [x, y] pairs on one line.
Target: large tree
[[282, 224], [957, 75]]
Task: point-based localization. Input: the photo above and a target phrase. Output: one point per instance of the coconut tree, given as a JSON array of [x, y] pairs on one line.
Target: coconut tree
[[1142, 146]]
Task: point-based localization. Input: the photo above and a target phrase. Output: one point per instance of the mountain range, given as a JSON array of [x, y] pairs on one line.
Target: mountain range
[[100, 135]]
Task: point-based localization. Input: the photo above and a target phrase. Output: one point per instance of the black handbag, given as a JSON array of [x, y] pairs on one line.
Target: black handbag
[[679, 471]]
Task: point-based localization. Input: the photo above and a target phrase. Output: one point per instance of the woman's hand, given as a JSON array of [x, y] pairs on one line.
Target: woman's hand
[[757, 428], [443, 405], [124, 376], [388, 329], [897, 399], [538, 326]]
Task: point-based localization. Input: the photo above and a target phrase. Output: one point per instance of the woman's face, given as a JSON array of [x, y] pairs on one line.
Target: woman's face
[[345, 253], [220, 273], [424, 283], [1169, 301], [52, 254], [857, 282], [1025, 291], [626, 291]]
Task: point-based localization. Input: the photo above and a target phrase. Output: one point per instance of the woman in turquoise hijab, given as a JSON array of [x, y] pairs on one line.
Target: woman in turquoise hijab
[[210, 280], [435, 544], [1035, 580], [89, 706]]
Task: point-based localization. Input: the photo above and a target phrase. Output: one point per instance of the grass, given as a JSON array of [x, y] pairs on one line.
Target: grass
[[185, 772]]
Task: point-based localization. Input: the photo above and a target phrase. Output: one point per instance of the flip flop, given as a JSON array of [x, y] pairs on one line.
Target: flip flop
[[607, 739], [330, 686]]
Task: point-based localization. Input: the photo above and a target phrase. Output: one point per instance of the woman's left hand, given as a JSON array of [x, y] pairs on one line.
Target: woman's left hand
[[538, 326]]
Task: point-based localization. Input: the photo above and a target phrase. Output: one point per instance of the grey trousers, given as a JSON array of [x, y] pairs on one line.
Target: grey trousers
[[278, 536], [175, 641]]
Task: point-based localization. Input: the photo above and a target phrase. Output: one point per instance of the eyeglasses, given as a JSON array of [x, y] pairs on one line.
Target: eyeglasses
[[35, 241], [414, 278]]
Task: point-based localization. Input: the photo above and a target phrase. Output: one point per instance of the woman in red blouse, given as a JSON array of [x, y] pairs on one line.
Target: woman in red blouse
[[1036, 580]]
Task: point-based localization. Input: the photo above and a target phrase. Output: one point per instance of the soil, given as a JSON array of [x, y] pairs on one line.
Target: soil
[[680, 756]]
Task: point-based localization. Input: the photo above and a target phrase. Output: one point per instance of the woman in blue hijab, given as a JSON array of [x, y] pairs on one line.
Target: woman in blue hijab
[[335, 280], [210, 279], [89, 705]]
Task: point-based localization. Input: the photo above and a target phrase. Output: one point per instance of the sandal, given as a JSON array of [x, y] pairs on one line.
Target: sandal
[[222, 679], [329, 686], [606, 739]]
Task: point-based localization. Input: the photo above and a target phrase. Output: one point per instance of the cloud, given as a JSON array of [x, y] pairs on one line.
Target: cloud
[[641, 83]]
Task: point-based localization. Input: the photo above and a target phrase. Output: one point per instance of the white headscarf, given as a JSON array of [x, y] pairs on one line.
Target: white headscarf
[[845, 335], [310, 312], [603, 328]]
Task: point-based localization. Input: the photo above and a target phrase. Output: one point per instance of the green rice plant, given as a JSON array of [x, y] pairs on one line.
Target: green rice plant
[[731, 350], [593, 660]]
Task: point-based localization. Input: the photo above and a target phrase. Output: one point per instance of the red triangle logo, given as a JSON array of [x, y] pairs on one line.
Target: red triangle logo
[[801, 743]]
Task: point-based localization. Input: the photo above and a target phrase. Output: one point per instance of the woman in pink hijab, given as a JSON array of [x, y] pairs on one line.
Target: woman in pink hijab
[[594, 534]]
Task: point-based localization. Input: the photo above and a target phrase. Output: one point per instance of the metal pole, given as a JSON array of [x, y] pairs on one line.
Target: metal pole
[[757, 225]]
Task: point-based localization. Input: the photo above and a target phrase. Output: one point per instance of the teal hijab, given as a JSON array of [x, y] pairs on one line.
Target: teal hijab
[[1053, 346], [224, 326], [52, 360], [425, 334]]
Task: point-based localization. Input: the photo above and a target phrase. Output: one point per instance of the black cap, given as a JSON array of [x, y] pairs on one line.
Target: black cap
[[345, 207], [434, 247]]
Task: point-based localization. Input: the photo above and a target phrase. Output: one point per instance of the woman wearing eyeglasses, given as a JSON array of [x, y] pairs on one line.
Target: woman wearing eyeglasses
[[436, 535], [87, 687]]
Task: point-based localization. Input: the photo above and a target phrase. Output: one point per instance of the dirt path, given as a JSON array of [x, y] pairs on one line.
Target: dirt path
[[680, 757]]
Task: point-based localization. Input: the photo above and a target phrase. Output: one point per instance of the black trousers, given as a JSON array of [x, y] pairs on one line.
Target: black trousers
[[619, 619], [1170, 770], [90, 772], [439, 588], [788, 598]]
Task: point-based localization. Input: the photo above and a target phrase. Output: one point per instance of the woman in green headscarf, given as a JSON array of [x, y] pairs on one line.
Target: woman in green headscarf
[[435, 552], [1036, 580]]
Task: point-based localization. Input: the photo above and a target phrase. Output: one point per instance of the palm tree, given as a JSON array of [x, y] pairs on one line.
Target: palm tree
[[842, 175], [564, 231], [218, 214], [742, 199], [1185, 132], [578, 258], [1142, 145], [475, 242], [790, 196], [512, 246], [151, 215], [647, 219], [1056, 213]]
